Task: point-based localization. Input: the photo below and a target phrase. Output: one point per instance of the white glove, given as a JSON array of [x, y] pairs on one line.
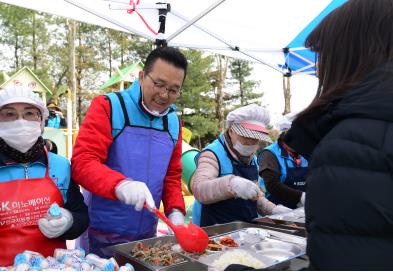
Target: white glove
[[55, 227], [135, 193], [302, 200], [281, 209], [244, 188], [176, 217]]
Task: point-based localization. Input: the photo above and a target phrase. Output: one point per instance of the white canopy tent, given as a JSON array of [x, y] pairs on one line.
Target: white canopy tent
[[255, 30]]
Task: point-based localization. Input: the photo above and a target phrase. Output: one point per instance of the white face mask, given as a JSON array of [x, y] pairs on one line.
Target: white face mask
[[20, 134], [154, 112], [245, 150]]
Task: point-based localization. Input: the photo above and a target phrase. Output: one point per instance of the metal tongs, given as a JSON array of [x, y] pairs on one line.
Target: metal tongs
[[290, 238]]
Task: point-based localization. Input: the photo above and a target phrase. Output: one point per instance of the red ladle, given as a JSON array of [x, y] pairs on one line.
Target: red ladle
[[191, 238]]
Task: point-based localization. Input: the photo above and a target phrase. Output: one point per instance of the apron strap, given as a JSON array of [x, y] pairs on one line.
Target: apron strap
[[165, 122], [123, 107], [47, 162]]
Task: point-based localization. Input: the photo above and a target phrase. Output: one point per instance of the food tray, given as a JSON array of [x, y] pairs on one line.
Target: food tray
[[264, 245], [282, 224], [243, 237], [254, 239], [122, 254], [294, 219], [296, 216], [210, 260], [236, 225], [277, 250]]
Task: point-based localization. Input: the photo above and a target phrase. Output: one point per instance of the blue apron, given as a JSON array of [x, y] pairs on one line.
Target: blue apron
[[236, 209], [296, 179], [143, 154]]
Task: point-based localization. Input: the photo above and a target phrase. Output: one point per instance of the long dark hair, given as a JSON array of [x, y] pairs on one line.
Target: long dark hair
[[350, 42]]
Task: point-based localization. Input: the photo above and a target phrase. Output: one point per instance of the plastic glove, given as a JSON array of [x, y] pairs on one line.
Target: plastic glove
[[55, 227], [302, 200], [281, 209], [135, 193], [177, 218], [244, 188]]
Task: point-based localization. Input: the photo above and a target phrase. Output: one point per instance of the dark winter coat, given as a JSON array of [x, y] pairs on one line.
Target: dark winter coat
[[349, 202]]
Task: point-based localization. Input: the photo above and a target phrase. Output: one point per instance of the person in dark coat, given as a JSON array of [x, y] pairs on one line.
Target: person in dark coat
[[346, 133]]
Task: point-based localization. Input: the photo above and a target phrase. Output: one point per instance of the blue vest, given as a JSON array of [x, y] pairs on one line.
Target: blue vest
[[291, 175], [141, 150], [59, 171], [231, 209], [54, 122]]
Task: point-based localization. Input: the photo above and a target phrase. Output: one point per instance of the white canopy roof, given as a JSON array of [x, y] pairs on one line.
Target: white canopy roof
[[255, 30]]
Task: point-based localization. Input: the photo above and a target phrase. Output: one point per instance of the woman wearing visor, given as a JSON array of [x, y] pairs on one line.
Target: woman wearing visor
[[226, 179]]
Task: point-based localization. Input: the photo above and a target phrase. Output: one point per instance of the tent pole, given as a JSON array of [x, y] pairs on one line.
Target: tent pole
[[301, 57], [195, 19], [303, 69], [110, 20], [259, 60], [286, 84], [69, 124], [162, 12], [205, 47], [123, 5], [230, 45], [203, 30]]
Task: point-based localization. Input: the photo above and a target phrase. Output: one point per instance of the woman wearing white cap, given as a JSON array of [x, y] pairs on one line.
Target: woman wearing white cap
[[31, 180], [226, 178], [283, 170]]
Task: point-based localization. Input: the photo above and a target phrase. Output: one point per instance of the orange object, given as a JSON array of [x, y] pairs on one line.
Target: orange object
[[191, 238], [228, 241]]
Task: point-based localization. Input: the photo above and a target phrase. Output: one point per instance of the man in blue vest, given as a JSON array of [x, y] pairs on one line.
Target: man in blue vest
[[283, 170], [128, 152]]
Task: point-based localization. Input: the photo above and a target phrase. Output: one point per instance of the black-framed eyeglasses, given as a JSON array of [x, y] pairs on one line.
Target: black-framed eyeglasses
[[160, 87]]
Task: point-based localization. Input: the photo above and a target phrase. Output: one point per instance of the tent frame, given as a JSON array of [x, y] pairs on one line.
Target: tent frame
[[161, 40]]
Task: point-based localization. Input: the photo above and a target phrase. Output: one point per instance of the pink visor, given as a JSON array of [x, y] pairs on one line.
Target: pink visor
[[255, 127]]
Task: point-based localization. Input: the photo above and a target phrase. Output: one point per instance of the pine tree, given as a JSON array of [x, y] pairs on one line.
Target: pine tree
[[245, 89], [196, 103]]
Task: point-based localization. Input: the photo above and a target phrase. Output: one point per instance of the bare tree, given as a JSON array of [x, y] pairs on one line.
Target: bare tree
[[286, 84], [222, 67], [72, 76]]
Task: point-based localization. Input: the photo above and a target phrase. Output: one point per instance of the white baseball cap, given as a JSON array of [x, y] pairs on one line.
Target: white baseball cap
[[20, 94], [250, 121]]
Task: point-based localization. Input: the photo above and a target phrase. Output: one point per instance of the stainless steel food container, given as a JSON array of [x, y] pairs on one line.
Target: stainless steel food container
[[276, 254]]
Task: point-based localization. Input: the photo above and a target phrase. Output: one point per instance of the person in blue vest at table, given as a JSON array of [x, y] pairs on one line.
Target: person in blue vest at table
[[128, 153], [283, 170], [31, 180], [56, 118], [226, 180]]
